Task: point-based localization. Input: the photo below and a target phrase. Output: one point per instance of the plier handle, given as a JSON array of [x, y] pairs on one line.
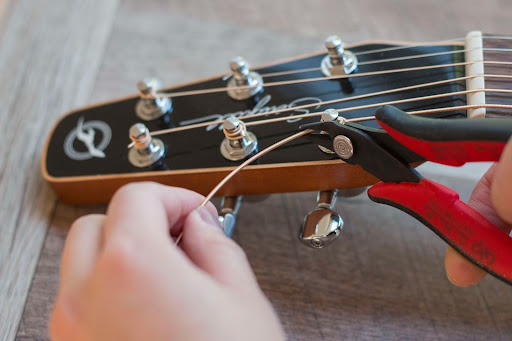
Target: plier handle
[[406, 138]]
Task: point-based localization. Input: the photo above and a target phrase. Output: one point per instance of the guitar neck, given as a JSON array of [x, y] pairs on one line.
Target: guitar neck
[[498, 48]]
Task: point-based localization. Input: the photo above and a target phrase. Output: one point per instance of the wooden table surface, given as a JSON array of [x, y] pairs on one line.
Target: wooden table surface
[[384, 278]]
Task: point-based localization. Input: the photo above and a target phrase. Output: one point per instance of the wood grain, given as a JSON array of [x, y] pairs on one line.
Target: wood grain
[[46, 69], [383, 279]]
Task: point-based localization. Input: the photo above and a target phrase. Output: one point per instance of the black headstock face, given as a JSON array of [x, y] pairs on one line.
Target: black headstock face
[[69, 157]]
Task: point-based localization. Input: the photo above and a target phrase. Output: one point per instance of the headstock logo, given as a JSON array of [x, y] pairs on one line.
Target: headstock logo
[[85, 133], [260, 107]]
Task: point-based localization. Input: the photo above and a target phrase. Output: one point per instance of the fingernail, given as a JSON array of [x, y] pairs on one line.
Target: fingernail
[[455, 282], [208, 217]]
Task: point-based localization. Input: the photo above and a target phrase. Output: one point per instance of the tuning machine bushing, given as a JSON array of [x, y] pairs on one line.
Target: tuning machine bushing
[[338, 60], [149, 108], [244, 83], [147, 150], [239, 143]]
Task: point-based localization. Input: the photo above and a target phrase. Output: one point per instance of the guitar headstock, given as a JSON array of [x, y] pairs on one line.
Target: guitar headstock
[[86, 157]]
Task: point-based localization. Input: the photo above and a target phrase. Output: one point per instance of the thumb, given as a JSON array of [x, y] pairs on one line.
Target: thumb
[[209, 249], [459, 270], [501, 189]]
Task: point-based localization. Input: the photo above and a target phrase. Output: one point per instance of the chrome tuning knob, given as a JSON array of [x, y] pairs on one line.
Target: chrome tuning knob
[[244, 83], [322, 225], [146, 151], [149, 108], [338, 61], [228, 213]]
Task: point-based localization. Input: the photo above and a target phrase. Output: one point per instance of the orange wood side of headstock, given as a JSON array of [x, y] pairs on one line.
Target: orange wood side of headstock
[[252, 180]]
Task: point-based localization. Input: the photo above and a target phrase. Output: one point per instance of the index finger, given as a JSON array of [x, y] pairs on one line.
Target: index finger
[[149, 211]]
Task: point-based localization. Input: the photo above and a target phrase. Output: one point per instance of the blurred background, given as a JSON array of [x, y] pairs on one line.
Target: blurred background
[[384, 278]]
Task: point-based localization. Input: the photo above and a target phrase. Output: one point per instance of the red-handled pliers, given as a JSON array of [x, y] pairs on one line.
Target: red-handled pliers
[[387, 153]]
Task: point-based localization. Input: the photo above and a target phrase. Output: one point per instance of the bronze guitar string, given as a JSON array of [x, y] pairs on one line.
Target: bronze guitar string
[[244, 164], [413, 99], [386, 49], [299, 81], [305, 132], [198, 125], [156, 95], [286, 140], [166, 131]]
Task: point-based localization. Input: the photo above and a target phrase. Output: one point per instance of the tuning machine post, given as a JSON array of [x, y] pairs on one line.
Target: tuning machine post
[[331, 115], [322, 225], [149, 108], [338, 60], [238, 143], [244, 83], [147, 151]]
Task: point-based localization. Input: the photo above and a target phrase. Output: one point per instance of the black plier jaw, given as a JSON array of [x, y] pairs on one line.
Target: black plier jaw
[[370, 148], [452, 142]]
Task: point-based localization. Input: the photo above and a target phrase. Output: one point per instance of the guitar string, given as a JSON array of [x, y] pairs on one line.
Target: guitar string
[[157, 95], [490, 37], [408, 46], [305, 132], [439, 110], [354, 108], [286, 140], [204, 124], [376, 105], [386, 49], [281, 73], [244, 164], [356, 119], [363, 74]]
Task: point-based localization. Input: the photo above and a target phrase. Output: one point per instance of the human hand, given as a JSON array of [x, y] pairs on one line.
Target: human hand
[[492, 197], [122, 278]]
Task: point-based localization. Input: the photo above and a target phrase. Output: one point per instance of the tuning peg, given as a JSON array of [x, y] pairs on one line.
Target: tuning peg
[[239, 143], [146, 151], [322, 225], [250, 81], [149, 108], [228, 213], [338, 61]]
